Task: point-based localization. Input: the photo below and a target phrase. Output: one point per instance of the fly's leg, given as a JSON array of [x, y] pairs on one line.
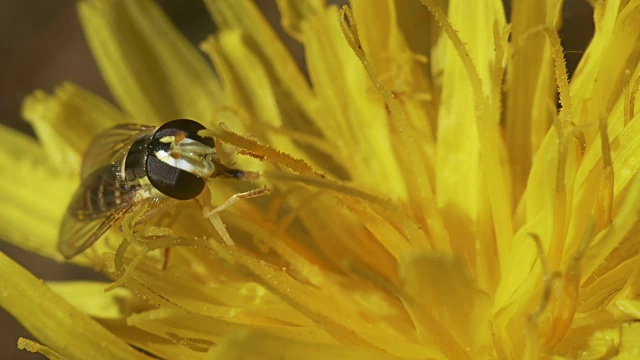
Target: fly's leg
[[244, 195], [225, 172], [153, 208], [205, 202], [214, 214], [145, 211]]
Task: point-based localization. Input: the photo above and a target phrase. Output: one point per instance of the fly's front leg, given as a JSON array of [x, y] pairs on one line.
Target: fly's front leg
[[213, 214], [204, 199], [205, 202], [244, 195]]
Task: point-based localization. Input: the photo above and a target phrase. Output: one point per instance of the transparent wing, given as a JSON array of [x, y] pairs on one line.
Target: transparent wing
[[111, 146], [77, 236], [97, 204]]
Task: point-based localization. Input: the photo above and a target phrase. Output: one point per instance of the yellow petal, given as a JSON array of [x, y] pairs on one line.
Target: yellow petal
[[468, 125], [592, 344], [598, 293], [151, 69], [238, 302], [629, 307], [337, 270], [249, 85], [33, 195], [458, 172], [625, 161], [54, 321], [328, 305], [616, 245], [400, 68], [67, 121], [607, 57], [245, 17], [352, 116], [531, 85], [158, 346], [204, 331], [262, 79], [629, 342], [451, 314], [407, 134], [258, 345], [90, 298], [293, 13]]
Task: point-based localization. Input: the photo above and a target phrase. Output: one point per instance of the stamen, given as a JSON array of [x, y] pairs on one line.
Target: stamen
[[407, 226], [34, 347], [458, 45], [500, 43], [129, 271], [195, 344], [371, 277], [286, 220], [423, 202], [266, 151], [568, 301], [581, 143], [490, 162], [562, 79], [547, 278], [604, 204], [627, 96], [560, 68], [633, 285], [560, 196], [175, 155], [251, 154], [632, 99]]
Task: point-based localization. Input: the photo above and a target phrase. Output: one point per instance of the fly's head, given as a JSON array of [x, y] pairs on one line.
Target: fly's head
[[179, 161], [187, 154]]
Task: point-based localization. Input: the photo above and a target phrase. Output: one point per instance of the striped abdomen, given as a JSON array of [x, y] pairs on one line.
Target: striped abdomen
[[100, 193]]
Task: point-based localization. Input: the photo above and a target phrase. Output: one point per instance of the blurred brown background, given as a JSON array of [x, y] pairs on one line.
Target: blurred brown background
[[41, 43]]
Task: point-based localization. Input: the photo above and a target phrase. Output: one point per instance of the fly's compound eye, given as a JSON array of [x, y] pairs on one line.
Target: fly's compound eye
[[170, 172]]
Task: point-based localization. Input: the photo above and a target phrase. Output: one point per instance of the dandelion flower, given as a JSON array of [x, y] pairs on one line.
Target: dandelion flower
[[428, 197]]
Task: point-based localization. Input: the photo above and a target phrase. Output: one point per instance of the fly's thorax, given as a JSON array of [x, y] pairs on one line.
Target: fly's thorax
[[135, 162]]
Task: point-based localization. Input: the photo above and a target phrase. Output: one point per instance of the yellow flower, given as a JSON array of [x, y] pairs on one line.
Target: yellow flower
[[428, 200]]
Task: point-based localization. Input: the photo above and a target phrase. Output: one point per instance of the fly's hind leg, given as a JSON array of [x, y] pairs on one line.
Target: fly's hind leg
[[151, 208]]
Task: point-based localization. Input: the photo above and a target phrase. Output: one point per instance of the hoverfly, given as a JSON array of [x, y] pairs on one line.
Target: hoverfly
[[130, 164]]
